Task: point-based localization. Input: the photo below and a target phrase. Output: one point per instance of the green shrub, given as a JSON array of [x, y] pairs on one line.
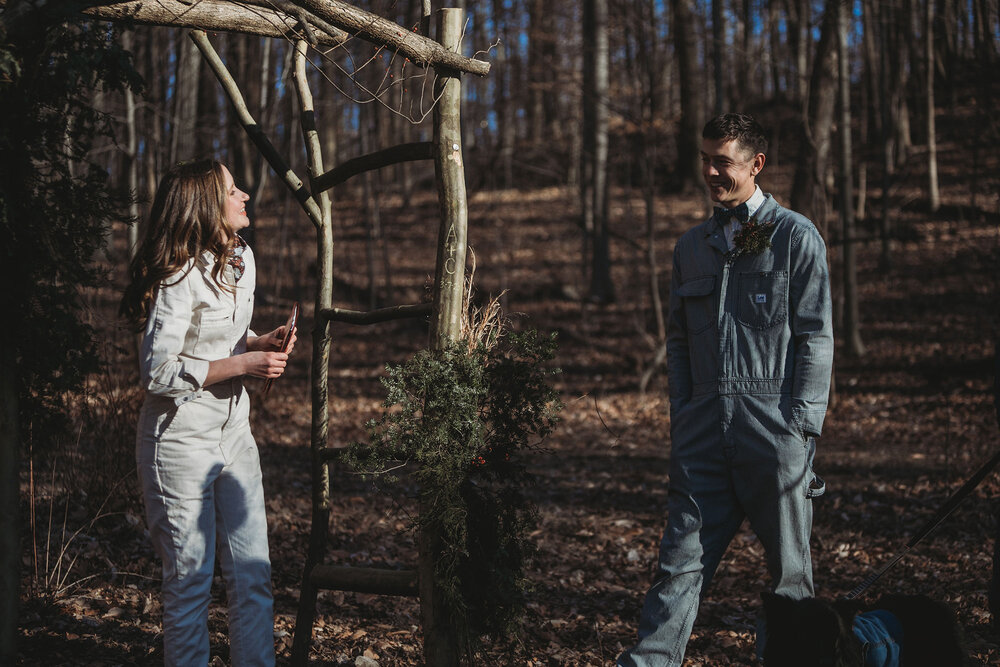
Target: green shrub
[[463, 419]]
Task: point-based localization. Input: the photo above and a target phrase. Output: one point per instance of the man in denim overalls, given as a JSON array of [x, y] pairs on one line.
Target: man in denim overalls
[[750, 355]]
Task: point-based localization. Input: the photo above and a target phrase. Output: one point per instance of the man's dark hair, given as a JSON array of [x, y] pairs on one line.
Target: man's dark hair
[[739, 126]]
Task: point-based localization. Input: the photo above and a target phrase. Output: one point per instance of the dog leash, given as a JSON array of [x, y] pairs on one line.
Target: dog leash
[[942, 514]]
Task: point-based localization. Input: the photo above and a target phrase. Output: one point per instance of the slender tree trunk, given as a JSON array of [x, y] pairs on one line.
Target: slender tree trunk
[[594, 185], [502, 102], [751, 66], [373, 217], [10, 511], [864, 120], [183, 137], [210, 124], [984, 24], [932, 170], [798, 32], [852, 325], [809, 184], [131, 154], [888, 136], [692, 95], [537, 34], [718, 54], [902, 30], [157, 152]]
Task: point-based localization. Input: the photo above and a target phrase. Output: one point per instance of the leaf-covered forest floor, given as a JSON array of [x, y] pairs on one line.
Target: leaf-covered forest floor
[[911, 420]]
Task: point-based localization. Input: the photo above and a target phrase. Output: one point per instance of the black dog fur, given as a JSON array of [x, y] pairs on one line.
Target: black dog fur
[[817, 633]]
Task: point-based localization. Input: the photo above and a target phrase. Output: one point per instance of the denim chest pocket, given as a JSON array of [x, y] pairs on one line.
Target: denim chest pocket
[[698, 296], [763, 299]]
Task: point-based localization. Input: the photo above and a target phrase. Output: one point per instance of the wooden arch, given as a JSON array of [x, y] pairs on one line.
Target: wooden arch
[[330, 23]]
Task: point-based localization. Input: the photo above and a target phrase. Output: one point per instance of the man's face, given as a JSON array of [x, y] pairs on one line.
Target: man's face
[[729, 171]]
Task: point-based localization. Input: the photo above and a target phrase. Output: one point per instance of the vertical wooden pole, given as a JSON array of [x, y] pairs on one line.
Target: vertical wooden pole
[[319, 534], [440, 640], [449, 168]]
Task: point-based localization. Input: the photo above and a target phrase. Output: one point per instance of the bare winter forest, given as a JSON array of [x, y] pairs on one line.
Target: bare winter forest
[[580, 150]]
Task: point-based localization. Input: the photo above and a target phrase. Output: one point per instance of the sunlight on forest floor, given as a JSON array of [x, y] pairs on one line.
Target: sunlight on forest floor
[[911, 420]]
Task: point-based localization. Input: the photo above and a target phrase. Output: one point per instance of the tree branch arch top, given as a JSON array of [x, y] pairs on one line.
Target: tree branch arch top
[[321, 22]]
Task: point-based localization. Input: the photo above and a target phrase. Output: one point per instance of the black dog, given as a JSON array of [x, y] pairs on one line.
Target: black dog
[[898, 630]]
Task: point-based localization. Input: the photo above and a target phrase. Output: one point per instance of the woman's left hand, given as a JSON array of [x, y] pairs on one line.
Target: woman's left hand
[[273, 340]]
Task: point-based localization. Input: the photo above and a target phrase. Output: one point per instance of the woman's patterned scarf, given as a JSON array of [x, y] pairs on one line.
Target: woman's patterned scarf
[[235, 257]]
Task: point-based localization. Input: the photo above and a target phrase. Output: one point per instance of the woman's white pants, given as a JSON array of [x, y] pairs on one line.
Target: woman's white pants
[[201, 482]]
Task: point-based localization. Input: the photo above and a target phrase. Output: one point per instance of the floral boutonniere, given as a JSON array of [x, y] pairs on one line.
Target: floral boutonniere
[[752, 238]]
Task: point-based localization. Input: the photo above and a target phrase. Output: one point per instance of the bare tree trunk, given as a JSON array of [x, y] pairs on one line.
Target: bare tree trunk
[[372, 210], [888, 136], [157, 150], [538, 32], [692, 95], [984, 17], [864, 120], [798, 32], [809, 184], [131, 166], [10, 510], [772, 51], [932, 170], [861, 201], [902, 30], [502, 102], [651, 51], [852, 324], [751, 67], [718, 53], [594, 182], [183, 140], [255, 59]]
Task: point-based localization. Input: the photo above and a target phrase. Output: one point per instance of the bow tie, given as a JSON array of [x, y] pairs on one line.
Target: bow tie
[[741, 213]]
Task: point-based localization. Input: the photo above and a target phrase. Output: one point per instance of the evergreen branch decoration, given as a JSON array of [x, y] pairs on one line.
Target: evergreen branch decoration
[[752, 238], [463, 419]]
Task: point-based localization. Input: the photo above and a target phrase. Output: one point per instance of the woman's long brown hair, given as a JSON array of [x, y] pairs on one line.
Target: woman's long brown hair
[[187, 218]]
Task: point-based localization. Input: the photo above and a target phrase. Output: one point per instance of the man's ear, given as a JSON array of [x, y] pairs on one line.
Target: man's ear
[[758, 163]]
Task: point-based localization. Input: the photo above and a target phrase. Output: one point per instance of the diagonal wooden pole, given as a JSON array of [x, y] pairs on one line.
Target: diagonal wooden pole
[[253, 130], [320, 212], [370, 27], [943, 513]]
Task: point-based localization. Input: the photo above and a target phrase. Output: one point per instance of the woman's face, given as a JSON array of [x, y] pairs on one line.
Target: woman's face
[[235, 208]]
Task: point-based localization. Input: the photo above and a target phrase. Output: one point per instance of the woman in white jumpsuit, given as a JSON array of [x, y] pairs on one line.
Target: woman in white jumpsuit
[[191, 293]]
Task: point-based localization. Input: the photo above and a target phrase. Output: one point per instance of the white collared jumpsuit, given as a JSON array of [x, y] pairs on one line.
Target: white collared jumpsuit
[[200, 469]]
